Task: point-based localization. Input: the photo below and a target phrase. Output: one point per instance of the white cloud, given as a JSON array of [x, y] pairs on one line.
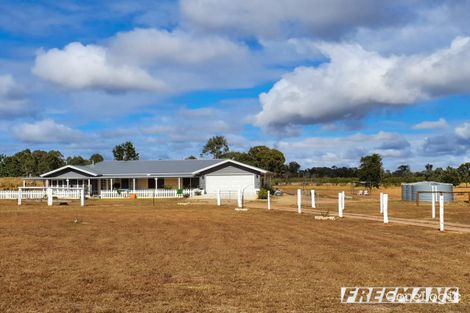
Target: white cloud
[[463, 131], [12, 100], [46, 131], [80, 67], [356, 81], [155, 60], [440, 123]]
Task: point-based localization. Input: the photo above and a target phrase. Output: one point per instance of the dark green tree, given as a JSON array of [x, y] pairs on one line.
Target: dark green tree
[[403, 171], [428, 172], [269, 159], [451, 176], [216, 146], [293, 168], [125, 152], [464, 173], [371, 169], [96, 158], [77, 160], [191, 157]]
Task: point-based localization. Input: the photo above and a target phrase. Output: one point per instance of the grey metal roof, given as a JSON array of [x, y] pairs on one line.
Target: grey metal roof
[[149, 168], [145, 167]]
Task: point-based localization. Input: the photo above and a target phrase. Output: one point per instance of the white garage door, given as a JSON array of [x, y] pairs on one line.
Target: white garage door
[[230, 182]]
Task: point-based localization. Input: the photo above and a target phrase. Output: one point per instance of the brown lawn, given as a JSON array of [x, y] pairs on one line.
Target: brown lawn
[[129, 256]]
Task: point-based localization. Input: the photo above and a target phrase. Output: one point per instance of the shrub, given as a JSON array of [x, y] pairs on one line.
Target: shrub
[[263, 193]]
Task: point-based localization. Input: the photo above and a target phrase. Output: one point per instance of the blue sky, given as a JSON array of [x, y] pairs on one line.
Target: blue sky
[[326, 82]]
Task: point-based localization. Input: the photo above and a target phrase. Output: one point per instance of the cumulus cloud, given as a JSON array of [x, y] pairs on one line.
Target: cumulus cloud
[[440, 123], [46, 131], [265, 18], [155, 60], [13, 102], [356, 81], [80, 66]]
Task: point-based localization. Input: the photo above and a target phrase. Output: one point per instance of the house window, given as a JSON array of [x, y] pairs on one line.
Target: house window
[[151, 183]]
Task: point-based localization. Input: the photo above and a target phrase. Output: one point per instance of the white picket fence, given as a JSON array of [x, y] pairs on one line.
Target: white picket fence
[[40, 193], [146, 193], [8, 194]]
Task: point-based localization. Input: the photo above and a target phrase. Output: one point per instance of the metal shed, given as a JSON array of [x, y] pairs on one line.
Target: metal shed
[[409, 190]]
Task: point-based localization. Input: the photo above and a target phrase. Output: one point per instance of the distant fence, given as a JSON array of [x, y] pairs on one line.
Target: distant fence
[[32, 193], [147, 193]]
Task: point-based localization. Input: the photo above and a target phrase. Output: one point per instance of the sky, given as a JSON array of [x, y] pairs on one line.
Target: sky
[[324, 81]]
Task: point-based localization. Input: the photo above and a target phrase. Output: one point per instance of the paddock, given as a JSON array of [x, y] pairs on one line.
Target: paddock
[[179, 255]]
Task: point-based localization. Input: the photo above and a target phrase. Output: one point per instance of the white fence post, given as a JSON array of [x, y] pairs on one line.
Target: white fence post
[[385, 207], [381, 203], [49, 196], [314, 205], [82, 197], [340, 206], [269, 200], [218, 197], [19, 196], [239, 199], [342, 200], [441, 212], [433, 200], [299, 201]]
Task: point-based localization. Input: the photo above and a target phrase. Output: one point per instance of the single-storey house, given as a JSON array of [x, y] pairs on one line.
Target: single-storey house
[[206, 175]]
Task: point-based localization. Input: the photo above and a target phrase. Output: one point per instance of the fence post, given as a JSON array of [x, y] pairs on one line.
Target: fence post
[[299, 201], [82, 197], [340, 206], [49, 196], [433, 200], [314, 205], [381, 203], [342, 200], [385, 207], [20, 195], [441, 212], [218, 197], [239, 199], [269, 200]]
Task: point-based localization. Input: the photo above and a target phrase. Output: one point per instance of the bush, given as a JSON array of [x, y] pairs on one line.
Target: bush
[[263, 193], [268, 187], [198, 193]]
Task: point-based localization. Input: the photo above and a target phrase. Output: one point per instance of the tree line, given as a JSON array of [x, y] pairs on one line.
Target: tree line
[[34, 163], [370, 170]]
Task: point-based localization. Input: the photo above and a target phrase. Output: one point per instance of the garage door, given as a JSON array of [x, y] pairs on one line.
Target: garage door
[[230, 182]]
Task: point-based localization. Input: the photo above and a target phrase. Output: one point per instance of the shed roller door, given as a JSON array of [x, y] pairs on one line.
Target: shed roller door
[[230, 182]]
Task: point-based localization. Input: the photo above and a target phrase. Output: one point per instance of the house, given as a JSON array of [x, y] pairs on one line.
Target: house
[[140, 175]]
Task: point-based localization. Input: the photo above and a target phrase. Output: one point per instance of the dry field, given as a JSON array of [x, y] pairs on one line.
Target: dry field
[[131, 256]]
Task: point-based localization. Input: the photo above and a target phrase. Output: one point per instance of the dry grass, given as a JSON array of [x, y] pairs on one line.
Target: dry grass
[[9, 183], [128, 256]]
